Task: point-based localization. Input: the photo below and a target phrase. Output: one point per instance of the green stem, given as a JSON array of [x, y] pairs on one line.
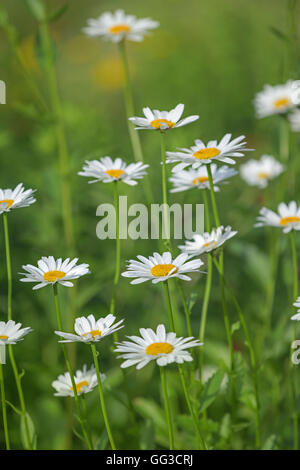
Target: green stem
[[169, 305], [293, 375], [3, 403], [101, 397], [68, 364], [191, 409], [166, 225], [167, 405], [118, 251], [212, 195], [8, 267], [186, 310], [85, 416], [204, 311]]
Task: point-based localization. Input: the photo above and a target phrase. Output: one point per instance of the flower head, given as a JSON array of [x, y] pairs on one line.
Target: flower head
[[85, 380], [260, 172], [297, 305], [118, 26], [207, 241], [11, 332], [159, 268], [162, 120], [51, 271], [277, 99], [200, 153], [15, 198], [89, 330], [288, 217], [190, 179], [294, 119], [108, 171], [159, 346]]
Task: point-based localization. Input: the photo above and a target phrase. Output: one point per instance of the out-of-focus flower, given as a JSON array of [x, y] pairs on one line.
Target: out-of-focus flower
[[85, 381], [190, 179], [288, 217], [108, 171], [11, 332], [294, 119], [207, 241], [260, 172], [276, 99], [15, 198], [162, 120]]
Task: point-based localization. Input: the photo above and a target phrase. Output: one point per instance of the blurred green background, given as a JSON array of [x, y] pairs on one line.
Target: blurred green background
[[213, 56]]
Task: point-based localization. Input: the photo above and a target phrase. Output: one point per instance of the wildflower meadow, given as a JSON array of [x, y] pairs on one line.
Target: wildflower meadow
[[149, 225]]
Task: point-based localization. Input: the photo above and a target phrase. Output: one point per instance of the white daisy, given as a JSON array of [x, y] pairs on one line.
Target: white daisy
[[200, 153], [159, 346], [108, 170], [15, 198], [260, 172], [288, 217], [88, 329], [49, 271], [294, 119], [207, 241], [276, 99], [85, 380], [162, 120], [118, 26], [11, 332], [189, 179], [297, 305], [159, 268]]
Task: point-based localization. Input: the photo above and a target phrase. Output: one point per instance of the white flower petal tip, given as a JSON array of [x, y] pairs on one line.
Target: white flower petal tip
[[260, 172], [85, 382], [183, 180], [51, 271], [287, 218], [159, 268], [117, 26], [162, 120], [11, 332], [207, 241], [160, 346], [109, 171], [16, 198], [90, 330], [278, 99]]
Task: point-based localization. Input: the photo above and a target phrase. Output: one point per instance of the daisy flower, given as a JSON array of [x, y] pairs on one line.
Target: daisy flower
[[207, 241], [297, 305], [15, 198], [88, 329], [85, 380], [108, 170], [260, 172], [294, 119], [11, 332], [159, 346], [277, 99], [118, 26], [162, 120], [189, 179], [159, 268], [51, 271], [201, 153], [288, 217]]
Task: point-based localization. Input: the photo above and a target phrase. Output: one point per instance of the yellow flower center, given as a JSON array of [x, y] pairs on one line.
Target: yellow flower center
[[207, 153], [79, 386], [158, 122], [52, 276], [159, 348], [94, 333], [9, 202], [119, 28], [161, 270], [115, 173], [281, 103], [289, 220], [3, 337], [263, 175], [200, 179], [210, 244]]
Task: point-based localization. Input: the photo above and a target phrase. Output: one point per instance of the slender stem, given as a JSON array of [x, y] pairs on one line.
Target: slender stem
[[8, 267], [166, 225], [101, 397], [3, 403], [68, 364], [191, 409], [167, 405], [186, 310], [169, 305], [118, 251], [85, 416], [293, 375], [212, 194]]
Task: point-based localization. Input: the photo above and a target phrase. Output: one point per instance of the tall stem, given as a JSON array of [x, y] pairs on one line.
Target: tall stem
[[8, 267], [169, 305], [68, 364], [3, 403], [101, 397], [293, 375], [167, 406], [118, 251], [166, 225]]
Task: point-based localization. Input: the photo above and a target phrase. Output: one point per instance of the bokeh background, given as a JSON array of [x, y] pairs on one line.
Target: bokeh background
[[213, 56]]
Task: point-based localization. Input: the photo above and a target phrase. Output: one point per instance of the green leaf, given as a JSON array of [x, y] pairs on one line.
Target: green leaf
[[102, 442], [36, 8], [270, 443], [235, 326], [16, 410], [211, 390], [192, 300], [279, 34], [28, 441], [56, 14]]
